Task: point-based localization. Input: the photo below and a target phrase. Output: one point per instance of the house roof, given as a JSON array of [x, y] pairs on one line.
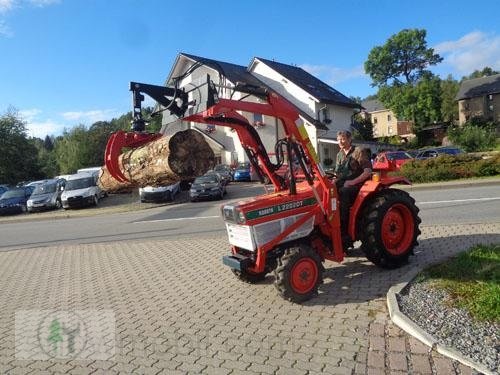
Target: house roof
[[238, 73], [472, 88], [310, 84], [373, 105], [233, 72]]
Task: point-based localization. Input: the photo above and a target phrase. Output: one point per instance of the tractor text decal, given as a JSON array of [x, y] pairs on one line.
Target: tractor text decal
[[255, 214]]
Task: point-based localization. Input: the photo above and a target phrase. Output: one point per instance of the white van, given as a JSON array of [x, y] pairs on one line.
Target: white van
[[93, 170], [81, 190]]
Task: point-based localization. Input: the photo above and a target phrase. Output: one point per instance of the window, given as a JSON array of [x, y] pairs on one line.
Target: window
[[374, 120], [258, 120], [388, 118], [325, 114], [490, 97]]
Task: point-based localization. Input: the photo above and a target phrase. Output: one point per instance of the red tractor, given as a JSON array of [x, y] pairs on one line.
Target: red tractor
[[292, 230]]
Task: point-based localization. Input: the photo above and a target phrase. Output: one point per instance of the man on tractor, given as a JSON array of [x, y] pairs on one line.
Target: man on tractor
[[352, 169]]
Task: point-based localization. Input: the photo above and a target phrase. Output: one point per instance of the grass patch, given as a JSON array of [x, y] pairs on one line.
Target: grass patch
[[472, 280]]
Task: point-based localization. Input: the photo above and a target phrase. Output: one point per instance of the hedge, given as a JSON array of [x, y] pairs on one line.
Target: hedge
[[446, 167]]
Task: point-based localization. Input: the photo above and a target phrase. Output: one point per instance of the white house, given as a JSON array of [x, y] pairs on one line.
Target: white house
[[323, 109]]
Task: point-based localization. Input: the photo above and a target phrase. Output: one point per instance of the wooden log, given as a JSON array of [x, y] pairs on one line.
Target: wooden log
[[107, 183], [164, 161]]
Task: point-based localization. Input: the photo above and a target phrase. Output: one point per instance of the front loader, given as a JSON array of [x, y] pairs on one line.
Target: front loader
[[292, 230]]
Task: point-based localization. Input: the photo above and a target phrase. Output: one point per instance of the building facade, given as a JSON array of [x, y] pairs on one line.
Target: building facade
[[480, 98], [323, 109]]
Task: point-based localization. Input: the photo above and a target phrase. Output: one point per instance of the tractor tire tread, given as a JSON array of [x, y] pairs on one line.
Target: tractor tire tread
[[372, 245]]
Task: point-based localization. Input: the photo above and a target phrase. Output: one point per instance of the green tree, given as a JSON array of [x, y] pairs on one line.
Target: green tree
[[47, 162], [449, 106], [48, 143], [485, 72], [402, 59], [419, 103], [363, 128], [18, 161], [474, 135], [55, 336], [74, 150]]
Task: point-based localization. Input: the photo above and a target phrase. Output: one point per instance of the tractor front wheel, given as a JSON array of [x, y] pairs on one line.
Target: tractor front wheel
[[391, 228], [299, 273], [250, 277]]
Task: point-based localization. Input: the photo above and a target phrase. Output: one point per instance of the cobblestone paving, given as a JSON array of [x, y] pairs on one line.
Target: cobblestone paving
[[178, 310]]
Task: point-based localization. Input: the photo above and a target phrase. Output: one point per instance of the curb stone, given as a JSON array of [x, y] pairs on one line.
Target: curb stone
[[407, 325]]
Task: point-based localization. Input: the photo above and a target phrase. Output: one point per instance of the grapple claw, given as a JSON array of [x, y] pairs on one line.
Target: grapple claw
[[116, 142]]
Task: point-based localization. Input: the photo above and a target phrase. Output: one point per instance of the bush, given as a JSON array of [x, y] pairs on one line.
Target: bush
[[446, 167], [474, 136]]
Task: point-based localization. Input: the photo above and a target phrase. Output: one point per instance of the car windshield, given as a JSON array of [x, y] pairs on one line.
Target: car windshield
[[44, 189], [451, 151], [398, 155], [13, 193], [80, 183], [221, 168], [206, 180]]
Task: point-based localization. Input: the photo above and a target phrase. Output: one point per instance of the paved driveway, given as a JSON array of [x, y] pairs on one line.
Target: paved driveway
[[177, 309]]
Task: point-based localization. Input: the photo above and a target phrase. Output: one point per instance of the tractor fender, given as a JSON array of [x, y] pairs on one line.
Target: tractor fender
[[369, 188]]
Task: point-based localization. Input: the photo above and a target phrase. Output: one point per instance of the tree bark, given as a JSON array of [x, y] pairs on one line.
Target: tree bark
[[164, 161]]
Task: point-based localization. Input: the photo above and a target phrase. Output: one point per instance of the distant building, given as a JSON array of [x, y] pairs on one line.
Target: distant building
[[385, 123], [479, 97]]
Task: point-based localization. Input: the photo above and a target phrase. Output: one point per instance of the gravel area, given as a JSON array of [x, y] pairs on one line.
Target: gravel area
[[454, 328]]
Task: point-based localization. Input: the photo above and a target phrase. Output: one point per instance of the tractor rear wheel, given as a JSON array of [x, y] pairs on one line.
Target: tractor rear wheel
[[299, 273], [390, 228]]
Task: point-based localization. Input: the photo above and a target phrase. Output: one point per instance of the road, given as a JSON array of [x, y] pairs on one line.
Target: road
[[465, 205]]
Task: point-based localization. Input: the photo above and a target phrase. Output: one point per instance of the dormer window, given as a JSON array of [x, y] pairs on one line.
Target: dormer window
[[325, 116]]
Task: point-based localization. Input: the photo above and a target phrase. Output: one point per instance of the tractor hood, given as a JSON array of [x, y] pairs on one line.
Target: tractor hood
[[270, 206]]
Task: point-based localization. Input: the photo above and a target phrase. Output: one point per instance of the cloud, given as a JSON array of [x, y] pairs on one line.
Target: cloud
[[43, 3], [39, 124], [39, 128], [333, 75], [473, 51], [43, 128], [6, 5], [5, 30], [89, 117]]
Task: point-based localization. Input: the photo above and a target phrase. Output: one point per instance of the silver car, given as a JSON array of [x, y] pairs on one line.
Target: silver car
[[160, 193], [47, 195]]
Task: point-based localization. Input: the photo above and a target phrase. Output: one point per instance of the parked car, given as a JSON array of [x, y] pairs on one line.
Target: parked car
[[242, 172], [3, 188], [81, 190], [208, 186], [436, 151], [13, 201], [225, 172], [398, 157], [47, 195], [160, 193]]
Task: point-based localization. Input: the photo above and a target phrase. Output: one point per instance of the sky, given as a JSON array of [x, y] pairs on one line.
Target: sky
[[69, 62]]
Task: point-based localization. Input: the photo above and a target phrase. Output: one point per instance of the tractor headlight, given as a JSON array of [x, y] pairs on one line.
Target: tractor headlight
[[233, 214]]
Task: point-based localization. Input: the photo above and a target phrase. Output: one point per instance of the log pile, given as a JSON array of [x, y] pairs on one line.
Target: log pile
[[164, 161]]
